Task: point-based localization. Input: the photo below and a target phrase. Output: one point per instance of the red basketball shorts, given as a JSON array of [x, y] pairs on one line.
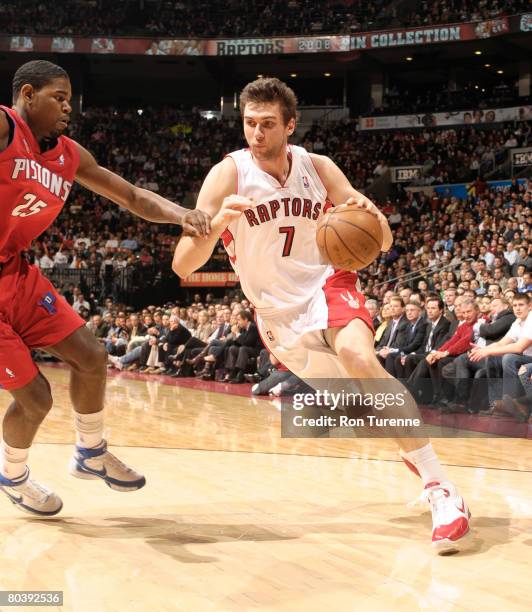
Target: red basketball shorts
[[295, 336], [32, 315]]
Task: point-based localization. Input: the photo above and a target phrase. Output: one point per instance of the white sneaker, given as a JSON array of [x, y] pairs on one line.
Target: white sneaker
[[115, 361], [92, 463], [29, 496], [450, 516]]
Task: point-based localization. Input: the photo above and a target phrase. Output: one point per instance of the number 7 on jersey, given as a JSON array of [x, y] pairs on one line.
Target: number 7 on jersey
[[289, 231]]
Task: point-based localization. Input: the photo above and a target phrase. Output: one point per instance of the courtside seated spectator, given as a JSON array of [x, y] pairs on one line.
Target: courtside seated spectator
[[509, 353], [465, 371], [459, 343], [246, 344]]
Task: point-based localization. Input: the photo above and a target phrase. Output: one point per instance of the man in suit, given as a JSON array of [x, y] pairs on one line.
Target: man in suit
[[459, 343], [449, 297], [409, 338], [223, 326], [216, 345], [246, 344], [394, 330], [437, 327], [373, 308]]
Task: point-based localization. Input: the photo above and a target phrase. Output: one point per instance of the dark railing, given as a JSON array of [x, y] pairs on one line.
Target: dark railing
[[134, 285], [130, 285]]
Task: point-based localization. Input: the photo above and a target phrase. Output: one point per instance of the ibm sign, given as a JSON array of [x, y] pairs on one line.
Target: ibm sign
[[522, 157], [406, 174]]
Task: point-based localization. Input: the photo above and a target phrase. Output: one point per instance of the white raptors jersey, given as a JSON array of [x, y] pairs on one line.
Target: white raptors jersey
[[272, 245]]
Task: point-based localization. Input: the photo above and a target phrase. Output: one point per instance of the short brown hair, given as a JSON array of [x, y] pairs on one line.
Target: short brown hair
[[270, 90], [398, 298], [523, 297]]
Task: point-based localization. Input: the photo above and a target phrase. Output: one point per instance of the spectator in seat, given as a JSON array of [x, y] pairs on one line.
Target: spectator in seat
[[397, 324], [247, 344], [466, 371], [449, 297], [457, 344], [409, 339], [373, 308], [437, 327], [98, 327], [80, 303], [508, 354], [118, 336], [385, 317], [137, 331], [198, 340], [170, 347]]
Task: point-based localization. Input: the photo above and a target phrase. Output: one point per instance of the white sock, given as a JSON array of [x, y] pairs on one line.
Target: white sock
[[89, 429], [427, 464], [13, 461]]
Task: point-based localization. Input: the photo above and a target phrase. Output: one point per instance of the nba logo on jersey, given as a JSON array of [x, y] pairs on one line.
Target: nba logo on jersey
[[47, 302], [306, 184], [61, 160], [270, 336]]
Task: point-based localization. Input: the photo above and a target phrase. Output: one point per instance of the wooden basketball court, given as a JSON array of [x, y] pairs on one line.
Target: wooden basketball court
[[235, 518]]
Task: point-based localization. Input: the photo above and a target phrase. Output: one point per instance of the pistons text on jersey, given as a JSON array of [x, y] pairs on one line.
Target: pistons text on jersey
[[31, 170]]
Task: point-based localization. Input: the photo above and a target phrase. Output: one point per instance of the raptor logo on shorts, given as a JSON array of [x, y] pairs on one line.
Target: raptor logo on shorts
[[351, 300], [47, 302], [10, 373]]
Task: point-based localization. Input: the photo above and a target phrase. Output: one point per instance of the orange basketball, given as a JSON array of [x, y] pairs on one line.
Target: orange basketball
[[349, 238]]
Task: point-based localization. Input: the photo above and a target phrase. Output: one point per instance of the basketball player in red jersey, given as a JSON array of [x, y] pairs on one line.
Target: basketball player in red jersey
[[38, 166], [266, 202]]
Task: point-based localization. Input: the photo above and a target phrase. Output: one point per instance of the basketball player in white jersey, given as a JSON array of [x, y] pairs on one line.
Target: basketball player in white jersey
[[266, 202]]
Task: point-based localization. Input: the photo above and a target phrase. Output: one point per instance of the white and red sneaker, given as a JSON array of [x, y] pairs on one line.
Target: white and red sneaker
[[450, 516]]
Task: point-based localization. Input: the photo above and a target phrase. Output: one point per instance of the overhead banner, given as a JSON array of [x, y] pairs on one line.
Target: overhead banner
[[405, 174], [521, 157], [210, 279], [465, 190], [467, 117], [385, 39]]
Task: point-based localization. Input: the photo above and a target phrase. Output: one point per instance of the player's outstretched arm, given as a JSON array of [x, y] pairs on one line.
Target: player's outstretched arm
[[340, 191], [140, 202], [216, 199]]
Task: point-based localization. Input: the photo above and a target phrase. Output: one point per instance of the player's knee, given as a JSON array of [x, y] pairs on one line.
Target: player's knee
[[36, 398], [93, 358], [97, 358], [355, 361]]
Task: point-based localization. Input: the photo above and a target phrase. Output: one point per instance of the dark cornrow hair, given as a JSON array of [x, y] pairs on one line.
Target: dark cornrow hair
[[37, 73]]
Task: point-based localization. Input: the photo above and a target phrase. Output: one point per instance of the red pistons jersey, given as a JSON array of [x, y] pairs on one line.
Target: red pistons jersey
[[34, 186]]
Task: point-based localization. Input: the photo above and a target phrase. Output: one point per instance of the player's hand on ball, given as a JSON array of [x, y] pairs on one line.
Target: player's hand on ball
[[364, 204], [232, 207], [196, 223]]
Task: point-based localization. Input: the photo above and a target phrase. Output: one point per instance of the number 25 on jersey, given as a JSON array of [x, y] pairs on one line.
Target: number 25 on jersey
[[32, 206]]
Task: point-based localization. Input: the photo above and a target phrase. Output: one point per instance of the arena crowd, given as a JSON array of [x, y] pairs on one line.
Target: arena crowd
[[202, 18]]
